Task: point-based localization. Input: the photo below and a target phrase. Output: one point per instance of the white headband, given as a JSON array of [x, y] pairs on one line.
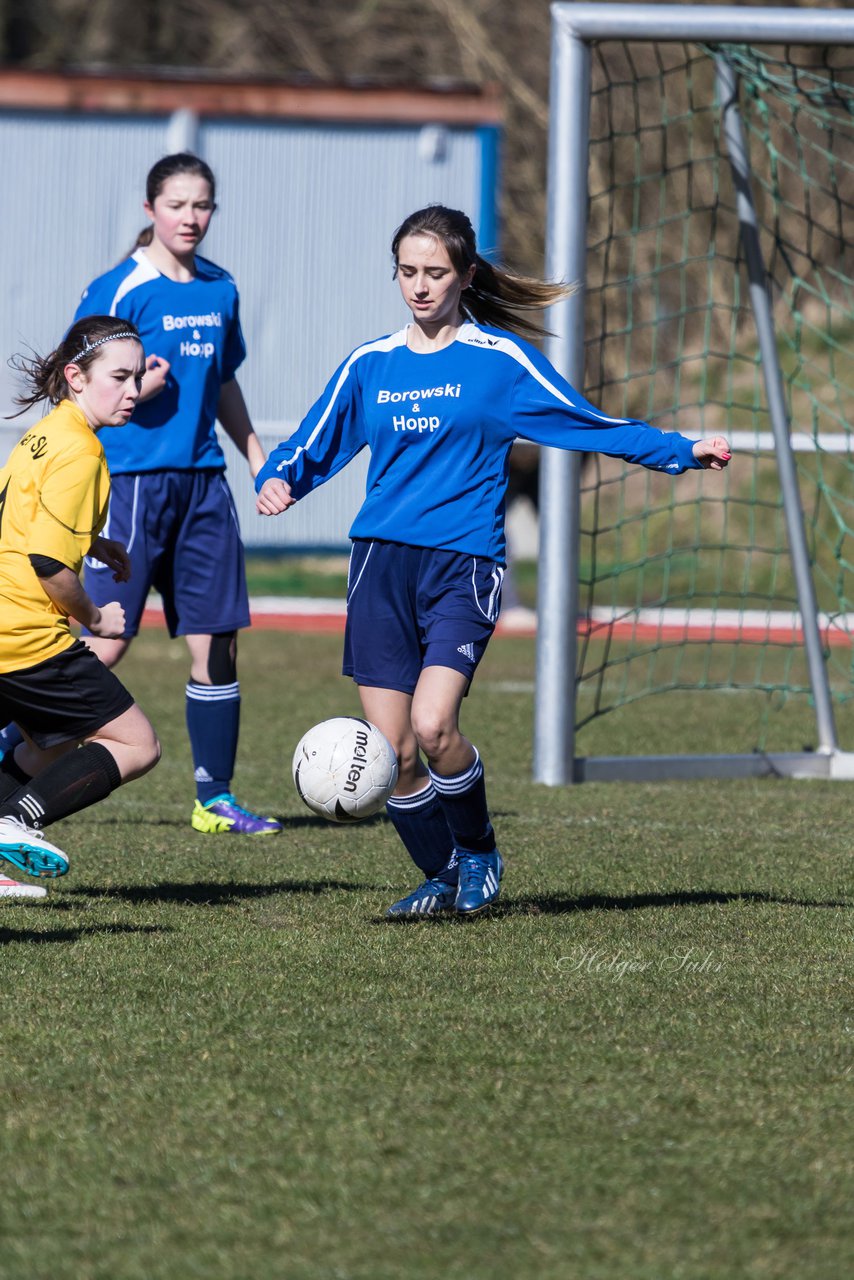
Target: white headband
[[99, 342]]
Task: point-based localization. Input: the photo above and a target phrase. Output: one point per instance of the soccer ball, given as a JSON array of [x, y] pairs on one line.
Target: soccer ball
[[344, 769]]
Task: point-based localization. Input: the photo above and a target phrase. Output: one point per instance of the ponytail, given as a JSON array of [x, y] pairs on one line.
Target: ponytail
[[495, 296], [145, 237]]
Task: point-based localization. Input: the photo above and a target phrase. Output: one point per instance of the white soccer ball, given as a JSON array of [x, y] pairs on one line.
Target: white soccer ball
[[344, 769]]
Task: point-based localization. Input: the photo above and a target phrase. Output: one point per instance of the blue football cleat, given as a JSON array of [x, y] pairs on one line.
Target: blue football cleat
[[429, 899], [480, 876]]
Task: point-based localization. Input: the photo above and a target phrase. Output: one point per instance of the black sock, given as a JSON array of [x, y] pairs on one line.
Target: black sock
[[73, 782], [12, 776]]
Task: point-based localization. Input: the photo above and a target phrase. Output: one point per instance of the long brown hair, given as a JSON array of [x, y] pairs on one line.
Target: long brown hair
[[495, 295], [82, 344]]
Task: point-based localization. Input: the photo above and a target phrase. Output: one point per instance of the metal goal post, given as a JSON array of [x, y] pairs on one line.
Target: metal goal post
[[575, 27]]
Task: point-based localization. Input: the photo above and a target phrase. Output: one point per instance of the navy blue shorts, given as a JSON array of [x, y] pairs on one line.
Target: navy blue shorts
[[182, 534], [413, 607], [66, 698]]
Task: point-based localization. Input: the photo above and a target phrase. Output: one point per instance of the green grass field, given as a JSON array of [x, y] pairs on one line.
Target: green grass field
[[218, 1061]]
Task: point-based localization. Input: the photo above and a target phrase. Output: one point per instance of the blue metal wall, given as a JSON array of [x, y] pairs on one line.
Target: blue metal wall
[[306, 214]]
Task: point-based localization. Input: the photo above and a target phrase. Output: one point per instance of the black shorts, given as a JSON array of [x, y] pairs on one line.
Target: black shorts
[[65, 699]]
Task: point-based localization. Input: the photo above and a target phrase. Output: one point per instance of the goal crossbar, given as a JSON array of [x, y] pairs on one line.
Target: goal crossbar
[[735, 24]]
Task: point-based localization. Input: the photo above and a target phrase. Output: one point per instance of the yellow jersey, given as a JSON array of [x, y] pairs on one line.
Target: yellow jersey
[[54, 493]]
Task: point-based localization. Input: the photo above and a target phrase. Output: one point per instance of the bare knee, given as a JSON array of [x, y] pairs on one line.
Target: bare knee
[[143, 750], [134, 758], [132, 742], [150, 753], [435, 733]]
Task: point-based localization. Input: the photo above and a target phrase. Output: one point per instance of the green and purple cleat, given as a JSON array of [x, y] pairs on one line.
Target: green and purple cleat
[[223, 815]]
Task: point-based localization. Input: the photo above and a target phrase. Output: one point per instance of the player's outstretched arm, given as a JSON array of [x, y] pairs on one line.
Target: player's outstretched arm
[[274, 497], [714, 453]]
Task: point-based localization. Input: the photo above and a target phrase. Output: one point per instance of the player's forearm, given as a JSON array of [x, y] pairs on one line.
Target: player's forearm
[[66, 592], [150, 388], [234, 416]]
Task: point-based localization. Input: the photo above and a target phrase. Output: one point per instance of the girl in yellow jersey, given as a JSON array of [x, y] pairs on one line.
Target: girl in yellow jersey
[[54, 492]]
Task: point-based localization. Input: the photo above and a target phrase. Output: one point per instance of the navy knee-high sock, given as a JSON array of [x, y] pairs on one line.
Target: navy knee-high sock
[[419, 820], [213, 723], [463, 800], [81, 777]]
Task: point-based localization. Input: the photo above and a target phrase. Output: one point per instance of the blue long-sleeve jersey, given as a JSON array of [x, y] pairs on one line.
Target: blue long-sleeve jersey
[[440, 426]]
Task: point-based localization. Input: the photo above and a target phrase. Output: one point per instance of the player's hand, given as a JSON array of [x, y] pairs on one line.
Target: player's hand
[[713, 454], [274, 497], [110, 622], [156, 373], [114, 555]]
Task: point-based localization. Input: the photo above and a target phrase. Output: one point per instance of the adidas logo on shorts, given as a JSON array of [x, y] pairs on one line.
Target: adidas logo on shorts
[[467, 650]]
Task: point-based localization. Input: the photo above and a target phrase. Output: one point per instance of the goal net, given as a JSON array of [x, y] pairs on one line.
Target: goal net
[[690, 587]]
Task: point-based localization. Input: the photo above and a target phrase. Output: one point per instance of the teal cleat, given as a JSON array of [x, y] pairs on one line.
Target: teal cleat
[[28, 850]]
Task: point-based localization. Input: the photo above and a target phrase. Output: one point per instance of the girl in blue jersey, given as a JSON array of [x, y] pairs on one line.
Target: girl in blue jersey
[[171, 505], [439, 404]]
